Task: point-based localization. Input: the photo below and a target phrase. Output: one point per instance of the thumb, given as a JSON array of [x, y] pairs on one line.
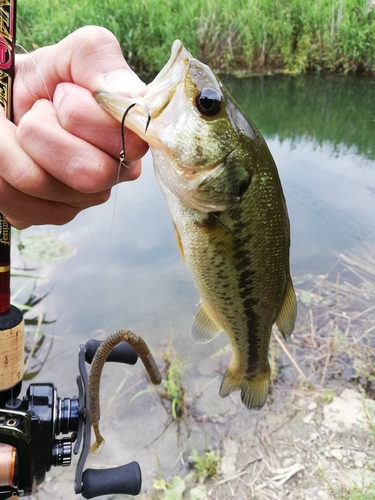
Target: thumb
[[90, 57], [97, 62]]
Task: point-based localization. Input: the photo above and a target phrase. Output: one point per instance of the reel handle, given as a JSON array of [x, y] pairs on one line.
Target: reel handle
[[122, 353], [126, 479]]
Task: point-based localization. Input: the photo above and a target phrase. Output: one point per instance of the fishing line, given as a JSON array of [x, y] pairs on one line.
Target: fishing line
[[107, 254], [22, 51], [121, 164], [25, 52], [18, 46], [111, 230]]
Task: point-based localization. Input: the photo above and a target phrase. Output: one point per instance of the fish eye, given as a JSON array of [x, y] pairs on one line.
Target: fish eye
[[209, 101]]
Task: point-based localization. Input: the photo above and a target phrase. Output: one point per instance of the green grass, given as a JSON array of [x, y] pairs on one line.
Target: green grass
[[173, 389], [206, 465], [293, 35], [355, 493]]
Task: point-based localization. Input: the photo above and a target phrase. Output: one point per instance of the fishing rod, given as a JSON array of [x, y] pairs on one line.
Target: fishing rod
[[11, 319], [42, 430]]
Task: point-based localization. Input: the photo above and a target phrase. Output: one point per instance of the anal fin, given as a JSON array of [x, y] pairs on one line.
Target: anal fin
[[287, 316]]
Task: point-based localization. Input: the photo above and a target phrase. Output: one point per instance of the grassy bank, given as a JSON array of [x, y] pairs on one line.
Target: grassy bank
[[246, 35]]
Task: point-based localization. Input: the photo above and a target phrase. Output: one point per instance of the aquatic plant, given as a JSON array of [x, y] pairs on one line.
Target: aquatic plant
[[28, 294]]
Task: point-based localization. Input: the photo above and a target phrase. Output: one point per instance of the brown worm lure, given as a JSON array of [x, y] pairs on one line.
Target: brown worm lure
[[101, 355]]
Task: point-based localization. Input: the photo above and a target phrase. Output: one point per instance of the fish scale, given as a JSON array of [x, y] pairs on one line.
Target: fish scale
[[225, 198]]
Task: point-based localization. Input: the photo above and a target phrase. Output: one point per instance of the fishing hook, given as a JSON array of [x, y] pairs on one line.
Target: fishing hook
[[148, 122], [122, 152]]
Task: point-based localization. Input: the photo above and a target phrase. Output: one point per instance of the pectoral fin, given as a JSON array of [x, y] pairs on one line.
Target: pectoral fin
[[218, 233], [179, 244], [287, 316], [204, 327]]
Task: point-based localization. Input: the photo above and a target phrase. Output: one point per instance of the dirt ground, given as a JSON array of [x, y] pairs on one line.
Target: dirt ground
[[301, 446], [308, 449], [315, 437]]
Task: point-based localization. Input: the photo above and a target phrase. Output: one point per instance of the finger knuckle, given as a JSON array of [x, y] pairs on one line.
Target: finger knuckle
[[91, 173]]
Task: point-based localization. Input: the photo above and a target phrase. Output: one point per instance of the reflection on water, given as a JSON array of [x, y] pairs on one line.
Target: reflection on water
[[330, 201], [334, 110], [127, 271]]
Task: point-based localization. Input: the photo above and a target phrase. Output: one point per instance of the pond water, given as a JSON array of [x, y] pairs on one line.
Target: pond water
[[127, 272]]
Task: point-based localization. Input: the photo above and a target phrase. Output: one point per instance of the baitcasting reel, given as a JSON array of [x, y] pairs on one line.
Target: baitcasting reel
[[41, 430]]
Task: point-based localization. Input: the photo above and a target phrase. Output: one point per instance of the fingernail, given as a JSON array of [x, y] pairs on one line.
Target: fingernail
[[58, 94], [124, 81]]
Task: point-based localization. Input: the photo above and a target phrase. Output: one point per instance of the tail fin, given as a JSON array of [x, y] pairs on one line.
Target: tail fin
[[254, 392]]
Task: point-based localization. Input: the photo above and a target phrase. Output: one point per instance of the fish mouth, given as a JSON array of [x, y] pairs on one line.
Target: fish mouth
[[152, 101], [176, 50]]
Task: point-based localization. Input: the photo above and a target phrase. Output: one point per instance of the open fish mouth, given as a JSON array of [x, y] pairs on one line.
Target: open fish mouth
[[153, 100], [167, 71]]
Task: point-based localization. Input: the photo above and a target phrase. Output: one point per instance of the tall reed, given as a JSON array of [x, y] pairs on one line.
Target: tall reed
[[249, 35]]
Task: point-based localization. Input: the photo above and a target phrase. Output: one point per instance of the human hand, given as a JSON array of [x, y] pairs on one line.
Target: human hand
[[62, 155]]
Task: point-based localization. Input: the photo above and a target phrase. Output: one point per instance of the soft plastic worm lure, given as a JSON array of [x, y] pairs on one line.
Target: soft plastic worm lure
[[102, 353]]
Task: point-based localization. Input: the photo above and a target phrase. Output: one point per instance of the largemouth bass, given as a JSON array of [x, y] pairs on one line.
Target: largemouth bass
[[225, 198]]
